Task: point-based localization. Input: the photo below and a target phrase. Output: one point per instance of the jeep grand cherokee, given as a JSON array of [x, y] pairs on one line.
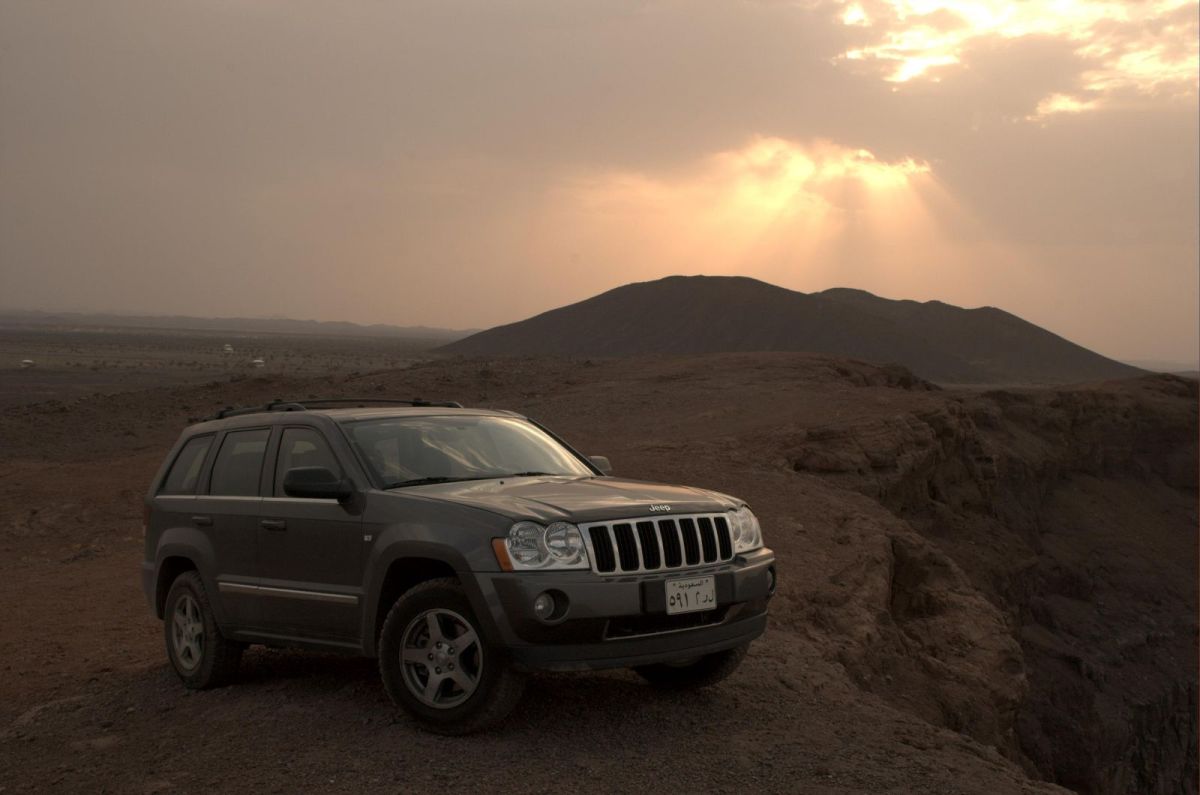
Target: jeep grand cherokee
[[463, 548]]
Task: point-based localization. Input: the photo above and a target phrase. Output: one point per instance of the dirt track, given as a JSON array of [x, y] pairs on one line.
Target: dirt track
[[88, 704]]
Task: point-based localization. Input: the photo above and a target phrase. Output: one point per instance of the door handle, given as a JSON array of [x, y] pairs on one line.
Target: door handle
[[202, 521], [273, 524]]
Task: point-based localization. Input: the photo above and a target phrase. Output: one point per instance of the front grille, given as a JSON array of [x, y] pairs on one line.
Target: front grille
[[631, 546]]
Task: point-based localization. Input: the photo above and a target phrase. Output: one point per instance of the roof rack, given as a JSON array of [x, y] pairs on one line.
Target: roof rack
[[310, 403]]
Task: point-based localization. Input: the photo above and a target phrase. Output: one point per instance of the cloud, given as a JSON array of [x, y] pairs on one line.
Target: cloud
[[1145, 48]]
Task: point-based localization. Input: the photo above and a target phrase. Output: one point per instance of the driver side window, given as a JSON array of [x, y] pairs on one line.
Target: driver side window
[[303, 447]]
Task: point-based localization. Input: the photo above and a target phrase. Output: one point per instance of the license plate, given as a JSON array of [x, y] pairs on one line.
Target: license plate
[[691, 595]]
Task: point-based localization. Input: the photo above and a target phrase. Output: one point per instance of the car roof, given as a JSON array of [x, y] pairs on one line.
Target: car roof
[[375, 412], [292, 416]]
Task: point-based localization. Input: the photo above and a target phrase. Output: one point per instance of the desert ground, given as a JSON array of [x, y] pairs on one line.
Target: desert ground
[[78, 361], [981, 591]]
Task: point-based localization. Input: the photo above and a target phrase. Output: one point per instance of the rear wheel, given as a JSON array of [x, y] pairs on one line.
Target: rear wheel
[[708, 670], [198, 652], [436, 664]]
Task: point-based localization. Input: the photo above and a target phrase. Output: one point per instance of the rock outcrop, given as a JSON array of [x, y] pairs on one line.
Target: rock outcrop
[[1074, 512]]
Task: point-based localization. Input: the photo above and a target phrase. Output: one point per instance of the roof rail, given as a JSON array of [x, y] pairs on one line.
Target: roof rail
[[311, 403]]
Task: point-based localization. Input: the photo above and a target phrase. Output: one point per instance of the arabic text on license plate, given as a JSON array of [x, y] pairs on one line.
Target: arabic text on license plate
[[691, 595]]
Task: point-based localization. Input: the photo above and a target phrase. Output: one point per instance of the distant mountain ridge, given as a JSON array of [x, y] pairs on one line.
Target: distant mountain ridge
[[710, 314], [246, 324]]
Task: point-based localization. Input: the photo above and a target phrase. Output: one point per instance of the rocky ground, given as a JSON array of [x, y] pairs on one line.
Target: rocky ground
[[980, 592]]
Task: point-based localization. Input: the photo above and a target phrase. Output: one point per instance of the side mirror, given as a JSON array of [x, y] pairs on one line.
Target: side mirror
[[602, 463], [316, 483]]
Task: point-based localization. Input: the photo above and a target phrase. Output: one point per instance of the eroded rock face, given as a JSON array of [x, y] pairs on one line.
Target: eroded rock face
[[908, 626], [1040, 593]]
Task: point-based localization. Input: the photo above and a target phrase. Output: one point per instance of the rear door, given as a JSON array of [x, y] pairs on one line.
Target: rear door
[[310, 550], [174, 513], [230, 509]]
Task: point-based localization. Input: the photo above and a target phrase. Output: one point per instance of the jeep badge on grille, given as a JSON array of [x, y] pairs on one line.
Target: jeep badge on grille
[[657, 508]]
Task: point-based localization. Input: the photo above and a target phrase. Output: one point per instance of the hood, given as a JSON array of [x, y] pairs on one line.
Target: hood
[[575, 499]]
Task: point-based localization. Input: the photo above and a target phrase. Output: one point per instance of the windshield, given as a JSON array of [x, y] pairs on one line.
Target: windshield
[[409, 451]]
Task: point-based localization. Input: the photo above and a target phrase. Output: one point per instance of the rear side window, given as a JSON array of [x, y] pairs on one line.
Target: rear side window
[[303, 447], [185, 472], [239, 464]]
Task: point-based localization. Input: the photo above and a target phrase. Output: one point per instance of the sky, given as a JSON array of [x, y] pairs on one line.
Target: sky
[[466, 163]]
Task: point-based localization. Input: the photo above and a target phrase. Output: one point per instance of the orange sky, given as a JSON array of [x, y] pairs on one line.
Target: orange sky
[[467, 164]]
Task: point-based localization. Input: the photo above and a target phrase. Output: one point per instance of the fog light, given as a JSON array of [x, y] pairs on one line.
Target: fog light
[[543, 606], [771, 580]]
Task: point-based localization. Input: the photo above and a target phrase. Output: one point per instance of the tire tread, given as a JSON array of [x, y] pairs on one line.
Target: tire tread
[[505, 685], [222, 657]]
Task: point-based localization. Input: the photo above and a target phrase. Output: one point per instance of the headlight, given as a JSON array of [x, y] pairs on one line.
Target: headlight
[[744, 530], [559, 546]]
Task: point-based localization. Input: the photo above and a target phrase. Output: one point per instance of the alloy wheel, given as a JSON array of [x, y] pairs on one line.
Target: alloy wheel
[[442, 658], [187, 633]]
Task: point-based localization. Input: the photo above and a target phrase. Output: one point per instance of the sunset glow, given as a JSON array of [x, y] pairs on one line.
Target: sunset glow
[[766, 182], [776, 164], [815, 208]]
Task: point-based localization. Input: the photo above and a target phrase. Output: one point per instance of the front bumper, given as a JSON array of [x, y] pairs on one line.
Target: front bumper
[[614, 621]]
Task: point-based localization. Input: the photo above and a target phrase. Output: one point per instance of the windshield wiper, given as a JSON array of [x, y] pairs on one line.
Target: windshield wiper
[[442, 479], [423, 482]]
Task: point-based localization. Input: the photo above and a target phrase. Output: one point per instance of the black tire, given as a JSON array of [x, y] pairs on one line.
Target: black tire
[[497, 686], [218, 659], [708, 670]]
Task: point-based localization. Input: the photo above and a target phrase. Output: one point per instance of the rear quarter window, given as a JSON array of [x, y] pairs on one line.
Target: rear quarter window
[[185, 471]]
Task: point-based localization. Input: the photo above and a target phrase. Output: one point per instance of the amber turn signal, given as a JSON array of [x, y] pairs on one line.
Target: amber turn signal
[[501, 550]]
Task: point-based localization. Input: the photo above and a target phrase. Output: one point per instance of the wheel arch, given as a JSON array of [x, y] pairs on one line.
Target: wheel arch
[[169, 569], [183, 549], [407, 567]]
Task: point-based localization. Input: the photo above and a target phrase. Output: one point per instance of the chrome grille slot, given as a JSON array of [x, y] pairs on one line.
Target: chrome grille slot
[[627, 550], [648, 538], [723, 539], [691, 542], [708, 539], [603, 557], [672, 551], [655, 543]]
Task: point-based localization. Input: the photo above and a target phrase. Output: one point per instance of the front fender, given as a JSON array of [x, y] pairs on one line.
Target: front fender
[[381, 558]]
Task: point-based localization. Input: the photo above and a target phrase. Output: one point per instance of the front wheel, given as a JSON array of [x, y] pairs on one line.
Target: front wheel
[[436, 664], [708, 670]]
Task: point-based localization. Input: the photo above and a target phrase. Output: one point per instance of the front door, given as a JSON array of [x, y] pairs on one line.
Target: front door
[[310, 551]]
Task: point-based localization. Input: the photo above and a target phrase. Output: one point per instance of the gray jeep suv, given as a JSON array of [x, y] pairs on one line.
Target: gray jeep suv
[[463, 548]]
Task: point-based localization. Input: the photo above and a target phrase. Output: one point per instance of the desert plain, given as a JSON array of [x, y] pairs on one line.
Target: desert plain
[[983, 590]]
